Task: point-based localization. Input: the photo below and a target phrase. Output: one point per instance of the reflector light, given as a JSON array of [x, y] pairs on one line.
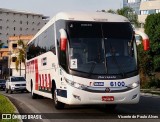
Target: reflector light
[[146, 44], [63, 44]]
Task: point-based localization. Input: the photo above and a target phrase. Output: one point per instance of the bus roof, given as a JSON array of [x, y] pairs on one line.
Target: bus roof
[[90, 16], [83, 16]]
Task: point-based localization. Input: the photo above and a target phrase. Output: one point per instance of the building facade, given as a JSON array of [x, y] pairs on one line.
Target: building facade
[[134, 4], [13, 23], [148, 7], [13, 54], [4, 63]]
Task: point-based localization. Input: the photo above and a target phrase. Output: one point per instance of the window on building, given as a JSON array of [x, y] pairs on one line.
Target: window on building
[[14, 28], [27, 15], [144, 12], [14, 20], [147, 12], [144, 0], [32, 23], [20, 29], [0, 27], [27, 22], [14, 45], [38, 23], [157, 10], [131, 1], [0, 20], [151, 11], [14, 59], [20, 22]]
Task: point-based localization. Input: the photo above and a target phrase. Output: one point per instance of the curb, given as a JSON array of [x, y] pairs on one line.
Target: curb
[[151, 91]]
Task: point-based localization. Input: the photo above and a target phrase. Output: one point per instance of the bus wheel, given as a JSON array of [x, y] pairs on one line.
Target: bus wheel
[[58, 104], [34, 96]]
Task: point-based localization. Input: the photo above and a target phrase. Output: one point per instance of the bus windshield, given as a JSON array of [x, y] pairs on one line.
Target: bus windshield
[[102, 48]]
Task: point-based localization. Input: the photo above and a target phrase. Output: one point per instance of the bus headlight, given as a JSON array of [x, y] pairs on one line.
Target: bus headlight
[[74, 84], [134, 85]]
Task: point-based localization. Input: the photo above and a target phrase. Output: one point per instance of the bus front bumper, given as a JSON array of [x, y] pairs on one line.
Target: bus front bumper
[[77, 96]]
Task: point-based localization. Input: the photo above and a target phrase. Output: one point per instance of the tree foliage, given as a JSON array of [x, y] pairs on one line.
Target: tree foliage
[[1, 44], [21, 54], [152, 29], [128, 13]]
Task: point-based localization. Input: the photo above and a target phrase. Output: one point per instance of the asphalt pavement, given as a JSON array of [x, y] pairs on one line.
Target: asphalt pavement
[[148, 105]]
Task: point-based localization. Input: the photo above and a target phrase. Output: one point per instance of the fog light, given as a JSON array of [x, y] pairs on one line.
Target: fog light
[[134, 96]]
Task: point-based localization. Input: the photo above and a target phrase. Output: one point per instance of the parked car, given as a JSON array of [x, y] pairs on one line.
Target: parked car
[[15, 83], [2, 84]]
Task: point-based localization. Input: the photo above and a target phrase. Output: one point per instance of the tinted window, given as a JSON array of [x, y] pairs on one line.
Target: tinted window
[[42, 44], [15, 79], [117, 30], [84, 29], [2, 81]]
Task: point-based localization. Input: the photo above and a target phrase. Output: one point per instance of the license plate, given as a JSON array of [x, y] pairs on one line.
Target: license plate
[[107, 98]]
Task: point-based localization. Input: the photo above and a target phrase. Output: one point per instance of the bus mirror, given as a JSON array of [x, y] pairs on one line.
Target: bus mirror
[[145, 40], [63, 40]]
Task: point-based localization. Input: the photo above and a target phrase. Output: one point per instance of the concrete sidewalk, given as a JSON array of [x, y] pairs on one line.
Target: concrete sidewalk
[[151, 91]]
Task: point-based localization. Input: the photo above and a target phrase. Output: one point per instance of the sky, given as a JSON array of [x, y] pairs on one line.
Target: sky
[[51, 7]]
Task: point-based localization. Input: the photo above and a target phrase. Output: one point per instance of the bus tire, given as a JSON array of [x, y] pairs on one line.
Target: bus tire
[[57, 104], [34, 96]]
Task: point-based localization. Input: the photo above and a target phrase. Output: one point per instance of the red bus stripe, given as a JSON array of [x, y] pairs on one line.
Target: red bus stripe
[[46, 80], [50, 83], [42, 81], [36, 74]]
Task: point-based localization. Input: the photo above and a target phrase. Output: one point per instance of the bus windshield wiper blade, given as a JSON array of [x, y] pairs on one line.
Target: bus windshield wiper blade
[[92, 67], [118, 65]]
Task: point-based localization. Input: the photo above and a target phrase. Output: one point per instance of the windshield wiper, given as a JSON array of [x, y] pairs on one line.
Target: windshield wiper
[[118, 65], [92, 67]]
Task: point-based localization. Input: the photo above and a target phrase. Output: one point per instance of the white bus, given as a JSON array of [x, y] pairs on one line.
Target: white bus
[[84, 58]]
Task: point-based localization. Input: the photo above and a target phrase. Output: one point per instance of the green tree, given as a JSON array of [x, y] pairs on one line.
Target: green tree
[[152, 29], [1, 44], [112, 11], [21, 55], [128, 13], [145, 65]]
